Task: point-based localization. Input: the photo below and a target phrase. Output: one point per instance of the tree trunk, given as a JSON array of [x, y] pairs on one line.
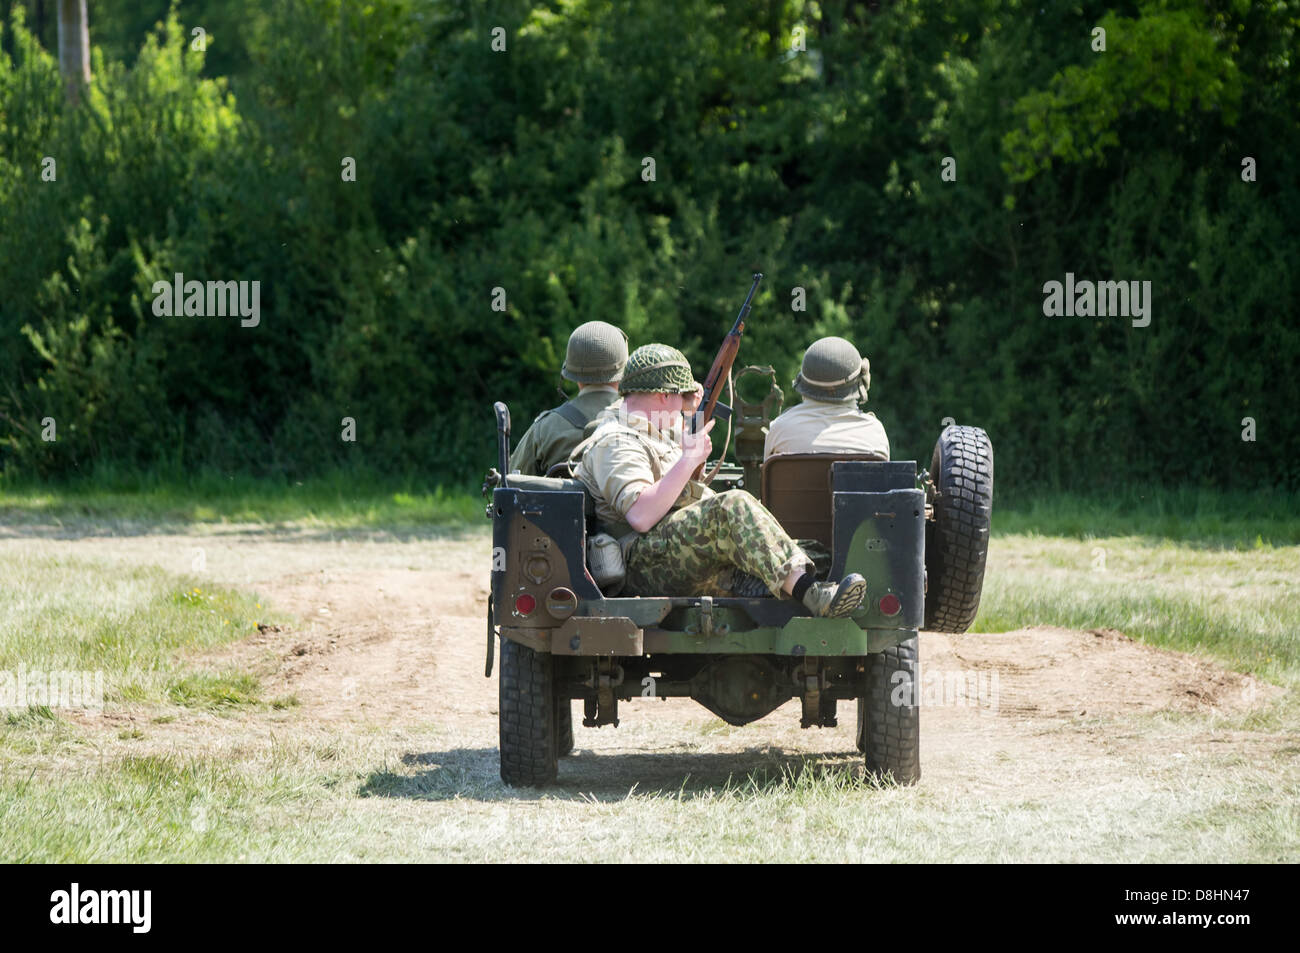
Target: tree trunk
[[74, 47]]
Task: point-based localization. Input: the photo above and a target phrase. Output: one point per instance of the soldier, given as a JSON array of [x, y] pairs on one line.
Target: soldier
[[833, 380], [679, 537], [594, 360]]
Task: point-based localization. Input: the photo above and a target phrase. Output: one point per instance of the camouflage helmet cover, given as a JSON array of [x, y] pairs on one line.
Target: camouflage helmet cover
[[596, 354], [833, 370], [657, 368]]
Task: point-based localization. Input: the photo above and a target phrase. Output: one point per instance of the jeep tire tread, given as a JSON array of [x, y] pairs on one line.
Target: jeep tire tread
[[563, 726], [957, 540], [527, 714], [889, 734]]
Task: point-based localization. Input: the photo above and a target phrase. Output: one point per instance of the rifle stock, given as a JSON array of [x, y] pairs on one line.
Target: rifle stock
[[717, 374]]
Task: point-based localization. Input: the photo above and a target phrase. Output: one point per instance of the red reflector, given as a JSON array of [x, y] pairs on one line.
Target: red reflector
[[525, 604], [890, 605]]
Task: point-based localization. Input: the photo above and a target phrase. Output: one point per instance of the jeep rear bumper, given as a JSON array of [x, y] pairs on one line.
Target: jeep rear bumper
[[621, 636]]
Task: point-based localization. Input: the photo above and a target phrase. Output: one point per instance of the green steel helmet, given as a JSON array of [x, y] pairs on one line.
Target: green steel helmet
[[833, 370], [596, 354], [657, 368]]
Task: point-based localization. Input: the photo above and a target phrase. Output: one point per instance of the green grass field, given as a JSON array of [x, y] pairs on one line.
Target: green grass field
[[338, 501], [197, 761]]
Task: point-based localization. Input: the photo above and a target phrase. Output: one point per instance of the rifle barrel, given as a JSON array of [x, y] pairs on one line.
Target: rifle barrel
[[713, 382], [744, 308]]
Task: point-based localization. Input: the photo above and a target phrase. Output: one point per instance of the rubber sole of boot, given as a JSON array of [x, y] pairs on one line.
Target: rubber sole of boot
[[847, 598]]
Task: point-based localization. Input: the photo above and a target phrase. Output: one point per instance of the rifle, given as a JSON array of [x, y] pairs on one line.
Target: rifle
[[721, 370]]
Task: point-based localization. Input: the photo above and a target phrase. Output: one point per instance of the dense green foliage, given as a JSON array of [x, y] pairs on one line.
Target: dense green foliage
[[522, 170]]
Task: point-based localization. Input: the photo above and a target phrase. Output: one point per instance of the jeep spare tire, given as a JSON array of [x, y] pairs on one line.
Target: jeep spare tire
[[957, 539]]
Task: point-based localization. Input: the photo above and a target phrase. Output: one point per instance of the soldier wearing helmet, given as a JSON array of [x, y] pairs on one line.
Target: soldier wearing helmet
[[680, 538], [594, 360], [833, 380]]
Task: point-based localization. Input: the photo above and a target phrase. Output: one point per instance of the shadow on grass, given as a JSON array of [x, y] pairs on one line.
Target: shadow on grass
[[473, 774]]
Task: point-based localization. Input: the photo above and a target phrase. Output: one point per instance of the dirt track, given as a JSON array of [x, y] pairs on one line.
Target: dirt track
[[384, 644], [392, 646], [389, 635]]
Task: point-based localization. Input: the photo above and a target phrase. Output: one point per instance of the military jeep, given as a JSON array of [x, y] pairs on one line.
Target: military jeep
[[919, 537]]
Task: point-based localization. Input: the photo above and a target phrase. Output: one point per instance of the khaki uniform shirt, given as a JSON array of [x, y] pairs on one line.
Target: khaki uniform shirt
[[818, 426], [623, 458], [551, 438]]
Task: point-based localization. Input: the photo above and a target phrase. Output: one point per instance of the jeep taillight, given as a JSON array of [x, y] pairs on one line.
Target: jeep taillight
[[562, 602], [525, 604], [890, 604]]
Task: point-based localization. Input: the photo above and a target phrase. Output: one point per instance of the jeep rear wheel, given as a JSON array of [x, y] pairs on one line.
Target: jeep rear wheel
[[563, 726], [957, 540], [889, 720], [528, 716]]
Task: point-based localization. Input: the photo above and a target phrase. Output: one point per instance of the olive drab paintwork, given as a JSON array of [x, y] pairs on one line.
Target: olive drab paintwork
[[878, 533], [529, 529], [889, 550]]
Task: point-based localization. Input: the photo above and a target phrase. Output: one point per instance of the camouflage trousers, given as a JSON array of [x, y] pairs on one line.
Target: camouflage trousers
[[695, 550]]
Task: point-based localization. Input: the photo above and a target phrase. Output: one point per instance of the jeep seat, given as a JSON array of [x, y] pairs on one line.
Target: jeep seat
[[796, 489]]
